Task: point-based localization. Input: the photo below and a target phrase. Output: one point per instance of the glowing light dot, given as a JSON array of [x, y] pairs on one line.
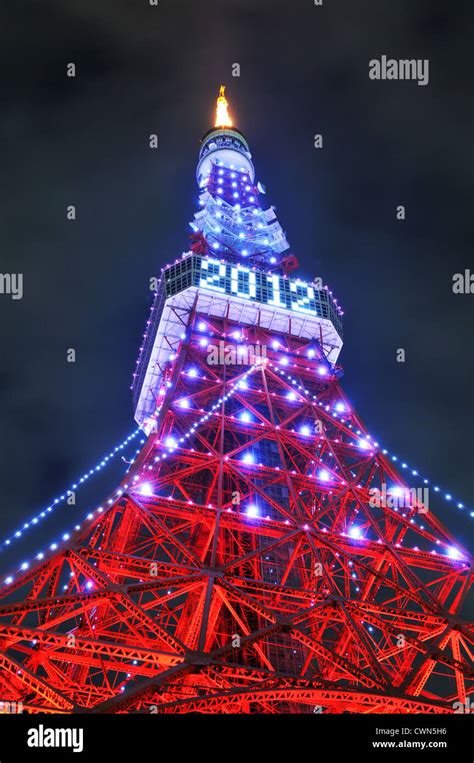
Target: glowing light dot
[[253, 511], [397, 491]]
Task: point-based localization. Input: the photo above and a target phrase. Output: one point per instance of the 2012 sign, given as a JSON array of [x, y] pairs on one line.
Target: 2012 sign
[[269, 288]]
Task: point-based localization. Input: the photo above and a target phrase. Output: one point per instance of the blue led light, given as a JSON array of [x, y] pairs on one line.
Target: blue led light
[[42, 514]]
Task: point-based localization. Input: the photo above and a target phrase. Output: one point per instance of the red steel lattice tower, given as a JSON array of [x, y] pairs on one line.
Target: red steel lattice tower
[[262, 554]]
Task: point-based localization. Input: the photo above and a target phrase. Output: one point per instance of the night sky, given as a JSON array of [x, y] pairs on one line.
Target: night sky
[[304, 70]]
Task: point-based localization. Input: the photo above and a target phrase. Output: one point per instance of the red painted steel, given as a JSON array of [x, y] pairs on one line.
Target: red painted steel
[[257, 576]]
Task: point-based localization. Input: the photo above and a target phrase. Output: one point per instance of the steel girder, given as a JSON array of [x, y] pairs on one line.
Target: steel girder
[[243, 566]]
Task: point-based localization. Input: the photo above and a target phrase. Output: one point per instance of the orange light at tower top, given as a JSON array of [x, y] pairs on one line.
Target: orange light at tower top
[[222, 115]]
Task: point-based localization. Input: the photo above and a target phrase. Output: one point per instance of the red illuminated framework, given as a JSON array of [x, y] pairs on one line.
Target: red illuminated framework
[[247, 566]]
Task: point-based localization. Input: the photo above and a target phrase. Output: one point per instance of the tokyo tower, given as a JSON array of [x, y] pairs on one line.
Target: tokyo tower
[[262, 553]]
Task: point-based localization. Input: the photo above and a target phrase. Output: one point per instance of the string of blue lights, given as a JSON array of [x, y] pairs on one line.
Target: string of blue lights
[[171, 444], [367, 441], [68, 493], [144, 488]]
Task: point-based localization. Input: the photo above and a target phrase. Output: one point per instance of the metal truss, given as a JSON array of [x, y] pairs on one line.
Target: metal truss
[[245, 566]]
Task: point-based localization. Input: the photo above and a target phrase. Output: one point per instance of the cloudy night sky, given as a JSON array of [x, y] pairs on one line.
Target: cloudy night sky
[[85, 141]]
